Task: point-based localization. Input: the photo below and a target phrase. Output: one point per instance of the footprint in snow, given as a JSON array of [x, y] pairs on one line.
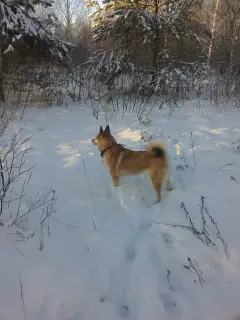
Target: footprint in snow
[[102, 299], [168, 239], [167, 301], [144, 225], [130, 254], [124, 311], [130, 251]]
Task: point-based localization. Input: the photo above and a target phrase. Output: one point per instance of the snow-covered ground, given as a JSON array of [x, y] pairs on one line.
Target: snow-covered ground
[[135, 266]]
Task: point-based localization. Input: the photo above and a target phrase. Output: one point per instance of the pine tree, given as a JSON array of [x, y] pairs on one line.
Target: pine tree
[[18, 19], [19, 23], [149, 34]]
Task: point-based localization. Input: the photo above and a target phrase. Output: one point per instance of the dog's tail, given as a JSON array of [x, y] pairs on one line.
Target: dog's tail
[[157, 150]]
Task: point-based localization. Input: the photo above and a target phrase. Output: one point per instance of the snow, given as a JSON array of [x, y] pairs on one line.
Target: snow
[[9, 48], [19, 19], [132, 267]]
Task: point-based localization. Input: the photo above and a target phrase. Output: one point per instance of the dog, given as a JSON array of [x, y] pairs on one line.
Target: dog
[[121, 161]]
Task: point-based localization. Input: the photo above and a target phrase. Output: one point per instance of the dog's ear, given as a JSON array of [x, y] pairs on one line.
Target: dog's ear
[[107, 130], [101, 130]]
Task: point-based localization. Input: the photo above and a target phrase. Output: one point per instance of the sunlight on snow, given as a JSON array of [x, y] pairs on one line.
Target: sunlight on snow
[[132, 135], [219, 131], [73, 151], [71, 161], [64, 148]]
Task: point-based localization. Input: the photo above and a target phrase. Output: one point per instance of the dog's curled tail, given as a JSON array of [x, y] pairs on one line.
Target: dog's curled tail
[[158, 150]]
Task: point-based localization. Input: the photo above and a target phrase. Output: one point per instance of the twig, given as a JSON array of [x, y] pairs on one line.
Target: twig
[[193, 265], [39, 201], [226, 165], [22, 297], [22, 193], [168, 278], [187, 162], [63, 222], [41, 238], [47, 211], [190, 228], [193, 149], [218, 234], [12, 163], [234, 179], [203, 235], [90, 190], [3, 185], [12, 245]]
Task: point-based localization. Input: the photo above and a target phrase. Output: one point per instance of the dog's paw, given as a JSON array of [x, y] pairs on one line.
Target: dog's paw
[[170, 187], [115, 185], [156, 202]]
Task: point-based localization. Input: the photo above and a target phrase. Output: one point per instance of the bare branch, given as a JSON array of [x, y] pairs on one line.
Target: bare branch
[[22, 296], [90, 191]]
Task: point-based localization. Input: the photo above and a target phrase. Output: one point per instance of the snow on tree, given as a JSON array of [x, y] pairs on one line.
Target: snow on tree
[[20, 24], [152, 32], [18, 20]]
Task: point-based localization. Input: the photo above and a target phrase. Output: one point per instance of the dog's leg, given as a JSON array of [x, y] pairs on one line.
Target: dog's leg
[[115, 178], [116, 181], [168, 184], [157, 185]]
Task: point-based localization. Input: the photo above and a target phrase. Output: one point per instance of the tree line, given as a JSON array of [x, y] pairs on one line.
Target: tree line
[[163, 43]]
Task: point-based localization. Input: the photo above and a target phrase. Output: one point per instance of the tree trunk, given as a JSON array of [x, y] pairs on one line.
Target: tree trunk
[[156, 43], [233, 45], [68, 21], [2, 95], [213, 30]]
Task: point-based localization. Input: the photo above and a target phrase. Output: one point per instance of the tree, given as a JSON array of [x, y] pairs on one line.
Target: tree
[[232, 11], [224, 46], [70, 14], [19, 23], [147, 35], [213, 31]]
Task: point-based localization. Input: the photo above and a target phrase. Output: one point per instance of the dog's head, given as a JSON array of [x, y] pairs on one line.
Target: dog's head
[[104, 138]]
